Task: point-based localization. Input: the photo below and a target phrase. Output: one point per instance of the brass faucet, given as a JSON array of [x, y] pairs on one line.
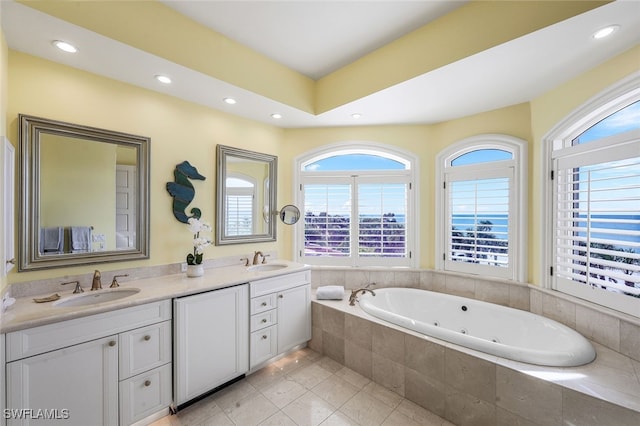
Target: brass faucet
[[114, 282], [255, 257], [354, 293], [78, 288], [96, 284]]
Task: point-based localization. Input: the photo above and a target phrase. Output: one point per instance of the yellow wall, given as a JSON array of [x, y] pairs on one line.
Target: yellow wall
[[78, 185], [178, 130], [3, 132]]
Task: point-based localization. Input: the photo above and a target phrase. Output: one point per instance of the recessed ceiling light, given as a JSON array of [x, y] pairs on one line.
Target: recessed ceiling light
[[229, 101], [64, 46], [276, 115], [606, 31], [356, 115], [163, 79]]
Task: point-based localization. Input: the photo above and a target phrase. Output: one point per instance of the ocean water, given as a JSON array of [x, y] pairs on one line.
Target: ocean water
[[500, 222]]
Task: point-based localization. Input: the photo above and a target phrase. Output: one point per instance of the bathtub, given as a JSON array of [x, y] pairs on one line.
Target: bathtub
[[486, 327]]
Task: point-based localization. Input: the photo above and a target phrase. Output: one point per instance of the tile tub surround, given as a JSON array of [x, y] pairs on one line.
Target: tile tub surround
[[467, 387], [615, 330]]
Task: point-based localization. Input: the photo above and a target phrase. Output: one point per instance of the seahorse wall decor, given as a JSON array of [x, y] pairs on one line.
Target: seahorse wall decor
[[183, 192]]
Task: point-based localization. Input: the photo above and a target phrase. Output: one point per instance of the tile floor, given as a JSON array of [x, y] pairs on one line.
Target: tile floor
[[304, 388]]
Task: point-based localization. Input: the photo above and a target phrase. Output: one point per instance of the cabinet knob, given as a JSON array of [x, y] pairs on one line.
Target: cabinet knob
[[264, 320], [147, 383], [112, 343], [264, 337], [280, 296], [263, 304], [147, 337]]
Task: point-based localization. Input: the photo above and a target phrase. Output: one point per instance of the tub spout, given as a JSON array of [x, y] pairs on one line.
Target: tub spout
[[354, 295]]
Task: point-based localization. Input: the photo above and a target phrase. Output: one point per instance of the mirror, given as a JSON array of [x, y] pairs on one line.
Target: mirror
[[246, 196], [289, 214], [84, 197]]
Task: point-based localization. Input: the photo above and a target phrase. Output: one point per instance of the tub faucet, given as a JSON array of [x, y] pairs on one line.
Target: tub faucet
[[96, 284], [354, 293]]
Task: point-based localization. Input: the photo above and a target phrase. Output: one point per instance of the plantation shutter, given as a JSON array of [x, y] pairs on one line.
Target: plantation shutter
[[479, 220], [239, 214], [382, 216], [327, 220], [598, 219]]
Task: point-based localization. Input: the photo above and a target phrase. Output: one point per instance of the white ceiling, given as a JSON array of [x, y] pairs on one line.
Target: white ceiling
[[316, 37]]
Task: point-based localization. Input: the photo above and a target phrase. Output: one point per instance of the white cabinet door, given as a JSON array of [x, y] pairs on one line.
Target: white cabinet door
[[294, 317], [77, 385], [211, 335]]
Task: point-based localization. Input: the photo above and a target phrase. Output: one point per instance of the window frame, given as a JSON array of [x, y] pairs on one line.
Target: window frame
[[410, 174], [517, 170], [558, 142]]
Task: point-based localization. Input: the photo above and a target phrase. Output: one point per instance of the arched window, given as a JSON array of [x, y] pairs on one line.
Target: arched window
[[480, 210], [358, 206], [594, 200]]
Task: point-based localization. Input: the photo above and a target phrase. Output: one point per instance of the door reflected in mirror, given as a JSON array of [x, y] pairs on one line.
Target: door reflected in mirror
[[245, 196]]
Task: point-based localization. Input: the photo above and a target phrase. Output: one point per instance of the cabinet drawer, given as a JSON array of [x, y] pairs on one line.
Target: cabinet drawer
[[279, 283], [263, 320], [264, 345], [263, 303], [145, 394], [144, 348], [37, 340]]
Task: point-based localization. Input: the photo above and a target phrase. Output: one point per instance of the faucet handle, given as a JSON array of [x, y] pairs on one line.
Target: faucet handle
[[264, 258], [114, 282], [78, 289], [245, 260]]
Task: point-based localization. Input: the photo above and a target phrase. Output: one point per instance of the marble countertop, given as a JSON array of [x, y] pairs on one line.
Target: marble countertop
[[25, 313]]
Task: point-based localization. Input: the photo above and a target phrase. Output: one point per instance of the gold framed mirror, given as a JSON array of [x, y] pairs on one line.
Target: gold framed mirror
[[84, 195]]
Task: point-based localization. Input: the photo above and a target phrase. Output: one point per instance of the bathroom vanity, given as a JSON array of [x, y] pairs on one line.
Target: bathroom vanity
[[131, 360], [106, 369]]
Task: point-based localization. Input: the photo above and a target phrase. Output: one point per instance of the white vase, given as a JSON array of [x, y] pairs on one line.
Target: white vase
[[195, 270]]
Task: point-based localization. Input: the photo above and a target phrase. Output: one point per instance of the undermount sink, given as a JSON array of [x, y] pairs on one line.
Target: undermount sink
[[263, 267], [95, 297]]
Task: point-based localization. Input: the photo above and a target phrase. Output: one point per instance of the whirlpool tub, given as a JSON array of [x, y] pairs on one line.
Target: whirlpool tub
[[486, 327]]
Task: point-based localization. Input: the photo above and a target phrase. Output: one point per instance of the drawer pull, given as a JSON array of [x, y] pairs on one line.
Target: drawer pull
[[264, 320], [147, 383], [264, 337], [263, 304], [281, 296], [147, 337], [112, 343]]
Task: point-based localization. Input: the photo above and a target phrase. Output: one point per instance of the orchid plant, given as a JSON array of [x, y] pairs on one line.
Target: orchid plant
[[199, 243]]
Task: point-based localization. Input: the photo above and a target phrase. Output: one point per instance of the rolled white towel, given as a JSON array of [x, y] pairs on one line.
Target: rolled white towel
[[332, 292]]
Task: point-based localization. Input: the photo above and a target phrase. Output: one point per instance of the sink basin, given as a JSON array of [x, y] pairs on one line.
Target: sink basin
[[264, 267], [95, 297]]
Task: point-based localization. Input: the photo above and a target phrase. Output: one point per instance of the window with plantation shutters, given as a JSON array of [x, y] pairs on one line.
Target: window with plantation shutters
[[358, 207], [479, 221], [595, 200], [240, 206], [598, 223], [327, 219], [480, 211], [382, 207]]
